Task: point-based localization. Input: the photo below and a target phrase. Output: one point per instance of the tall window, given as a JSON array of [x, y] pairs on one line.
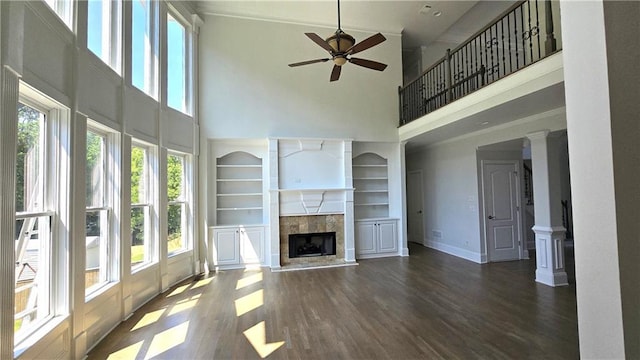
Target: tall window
[[101, 182], [64, 9], [144, 45], [142, 182], [103, 30], [178, 204], [36, 241], [178, 71]]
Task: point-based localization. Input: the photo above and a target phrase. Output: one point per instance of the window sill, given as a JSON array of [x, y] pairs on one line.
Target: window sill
[[44, 330], [101, 290]]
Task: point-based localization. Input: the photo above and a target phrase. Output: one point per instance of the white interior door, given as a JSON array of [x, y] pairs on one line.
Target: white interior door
[[415, 224], [500, 188]]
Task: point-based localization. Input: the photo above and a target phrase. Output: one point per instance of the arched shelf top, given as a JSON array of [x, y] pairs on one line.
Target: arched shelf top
[[239, 158], [369, 159]]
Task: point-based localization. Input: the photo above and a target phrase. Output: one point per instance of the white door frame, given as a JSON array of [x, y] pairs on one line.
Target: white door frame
[[517, 164], [421, 200]]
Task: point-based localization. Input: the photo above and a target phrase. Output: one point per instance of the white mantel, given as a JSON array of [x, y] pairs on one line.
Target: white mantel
[[295, 202]]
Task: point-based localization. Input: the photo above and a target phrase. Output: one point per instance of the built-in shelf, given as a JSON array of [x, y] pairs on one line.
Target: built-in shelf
[[314, 190], [240, 208], [242, 180], [371, 183], [239, 189], [239, 166], [240, 194]]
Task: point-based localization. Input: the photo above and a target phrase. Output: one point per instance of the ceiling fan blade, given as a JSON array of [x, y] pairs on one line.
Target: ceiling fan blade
[[335, 73], [309, 62], [368, 63], [320, 41], [366, 43]]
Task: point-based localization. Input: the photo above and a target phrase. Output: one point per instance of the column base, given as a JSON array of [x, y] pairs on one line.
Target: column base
[[552, 279], [550, 255]]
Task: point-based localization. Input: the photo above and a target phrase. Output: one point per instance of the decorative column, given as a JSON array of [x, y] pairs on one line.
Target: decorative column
[[550, 234]]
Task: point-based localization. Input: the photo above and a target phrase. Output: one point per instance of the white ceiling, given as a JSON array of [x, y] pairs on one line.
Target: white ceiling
[[459, 19]]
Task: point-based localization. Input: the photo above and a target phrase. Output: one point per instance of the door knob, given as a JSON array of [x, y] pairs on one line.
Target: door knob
[[490, 217]]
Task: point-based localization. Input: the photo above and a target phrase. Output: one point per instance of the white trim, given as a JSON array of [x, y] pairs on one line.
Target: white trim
[[456, 251]]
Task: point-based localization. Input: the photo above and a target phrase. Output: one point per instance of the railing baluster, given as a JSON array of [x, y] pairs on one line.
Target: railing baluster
[[538, 29]]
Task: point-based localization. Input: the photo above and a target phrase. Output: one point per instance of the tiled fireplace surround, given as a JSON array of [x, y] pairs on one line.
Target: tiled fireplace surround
[[311, 224]]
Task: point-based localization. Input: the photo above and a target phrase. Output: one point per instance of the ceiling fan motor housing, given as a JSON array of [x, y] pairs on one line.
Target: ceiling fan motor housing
[[340, 41]]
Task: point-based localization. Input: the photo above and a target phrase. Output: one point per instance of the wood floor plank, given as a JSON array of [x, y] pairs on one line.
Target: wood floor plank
[[429, 305]]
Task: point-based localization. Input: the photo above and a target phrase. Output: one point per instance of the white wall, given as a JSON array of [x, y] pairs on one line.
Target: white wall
[[450, 173], [248, 91]]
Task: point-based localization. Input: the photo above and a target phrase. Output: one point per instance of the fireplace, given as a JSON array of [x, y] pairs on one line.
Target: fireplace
[[313, 226], [312, 244]]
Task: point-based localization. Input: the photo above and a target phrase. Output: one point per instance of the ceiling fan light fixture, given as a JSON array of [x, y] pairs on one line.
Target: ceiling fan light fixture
[[339, 60]]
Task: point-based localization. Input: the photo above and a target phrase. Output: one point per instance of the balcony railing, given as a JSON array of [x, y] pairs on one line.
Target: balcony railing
[[518, 38]]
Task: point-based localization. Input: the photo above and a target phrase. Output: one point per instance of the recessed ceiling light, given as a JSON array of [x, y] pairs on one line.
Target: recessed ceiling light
[[425, 10], [437, 13], [484, 123]]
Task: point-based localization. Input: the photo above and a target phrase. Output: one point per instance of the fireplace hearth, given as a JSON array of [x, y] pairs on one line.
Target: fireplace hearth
[[312, 244]]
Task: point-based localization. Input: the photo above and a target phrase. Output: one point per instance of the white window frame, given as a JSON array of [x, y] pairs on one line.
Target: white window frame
[[185, 201], [112, 36], [149, 205], [55, 212], [64, 10], [187, 105], [151, 51], [111, 182]]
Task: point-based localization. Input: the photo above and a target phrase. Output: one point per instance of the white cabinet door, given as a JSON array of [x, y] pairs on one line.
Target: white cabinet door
[[226, 249], [252, 245], [387, 239], [365, 238]]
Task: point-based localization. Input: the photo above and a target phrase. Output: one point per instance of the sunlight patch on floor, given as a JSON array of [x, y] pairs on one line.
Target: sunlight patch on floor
[[249, 280], [148, 319], [183, 306], [130, 352], [179, 290], [249, 302], [258, 338], [202, 283], [168, 339]]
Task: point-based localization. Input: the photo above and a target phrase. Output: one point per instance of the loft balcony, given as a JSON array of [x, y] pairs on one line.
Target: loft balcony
[[491, 68]]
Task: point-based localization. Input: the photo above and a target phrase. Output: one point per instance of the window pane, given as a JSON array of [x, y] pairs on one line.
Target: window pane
[[139, 235], [95, 171], [96, 28], [29, 165], [96, 249], [144, 37], [176, 64], [175, 174], [176, 222], [32, 274], [138, 175]]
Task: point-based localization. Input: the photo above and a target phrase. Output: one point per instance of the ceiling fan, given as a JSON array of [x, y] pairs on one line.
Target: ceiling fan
[[341, 46]]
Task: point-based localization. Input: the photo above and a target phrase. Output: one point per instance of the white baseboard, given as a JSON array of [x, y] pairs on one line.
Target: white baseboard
[[456, 251]]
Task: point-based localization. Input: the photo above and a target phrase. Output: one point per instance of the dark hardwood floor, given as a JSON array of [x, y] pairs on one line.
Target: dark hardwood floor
[[427, 306]]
